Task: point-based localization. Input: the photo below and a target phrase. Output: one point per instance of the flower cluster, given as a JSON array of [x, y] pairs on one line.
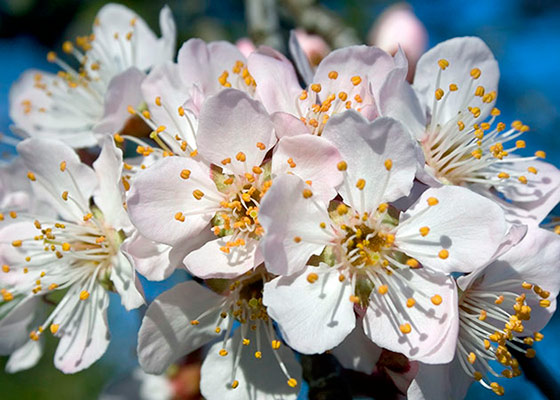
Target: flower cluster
[[354, 213]]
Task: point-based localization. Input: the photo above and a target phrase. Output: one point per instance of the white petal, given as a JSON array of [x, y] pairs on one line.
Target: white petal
[[315, 160], [159, 193], [44, 157], [268, 67], [434, 328], [109, 196], [85, 336], [463, 54], [259, 379], [126, 283], [202, 64], [292, 226], [27, 356], [150, 258], [166, 333], [210, 261], [232, 123], [466, 225], [123, 91], [15, 323], [357, 351], [366, 147], [60, 119], [313, 317]]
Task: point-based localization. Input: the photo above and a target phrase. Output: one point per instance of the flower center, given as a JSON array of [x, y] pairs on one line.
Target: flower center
[[489, 327], [240, 78], [316, 106], [466, 149]]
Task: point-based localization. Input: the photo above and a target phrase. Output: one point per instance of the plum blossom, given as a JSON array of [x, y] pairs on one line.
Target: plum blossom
[[348, 78], [80, 252], [74, 104], [249, 362], [206, 207], [502, 306], [462, 140], [360, 254]]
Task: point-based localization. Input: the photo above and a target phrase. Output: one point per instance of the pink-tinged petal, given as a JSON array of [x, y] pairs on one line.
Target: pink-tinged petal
[[27, 356], [234, 126], [15, 324], [293, 226], [378, 152], [300, 58], [315, 160], [44, 157], [464, 230], [210, 261], [268, 67], [533, 260], [166, 45], [357, 351], [36, 114], [433, 328], [398, 100], [258, 378], [164, 83], [371, 64], [123, 91], [202, 64], [84, 332], [159, 193], [288, 125], [167, 334], [463, 54], [151, 259], [109, 197], [126, 283], [313, 317]]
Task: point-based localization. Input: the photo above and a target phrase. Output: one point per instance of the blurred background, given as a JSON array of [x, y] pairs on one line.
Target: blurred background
[[523, 34]]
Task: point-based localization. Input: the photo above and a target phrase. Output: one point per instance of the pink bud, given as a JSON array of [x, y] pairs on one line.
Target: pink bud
[[245, 46], [314, 47], [398, 25]]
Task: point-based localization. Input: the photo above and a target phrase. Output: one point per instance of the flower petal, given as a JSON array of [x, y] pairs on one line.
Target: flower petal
[[313, 317], [150, 258], [367, 148], [433, 328], [84, 333], [210, 261], [15, 323], [44, 157], [202, 64], [109, 197], [234, 126], [288, 125], [313, 158], [357, 351], [159, 193], [258, 378], [268, 67], [464, 230], [300, 58], [167, 334], [292, 226], [27, 356], [463, 54], [126, 283], [36, 114], [123, 90]]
